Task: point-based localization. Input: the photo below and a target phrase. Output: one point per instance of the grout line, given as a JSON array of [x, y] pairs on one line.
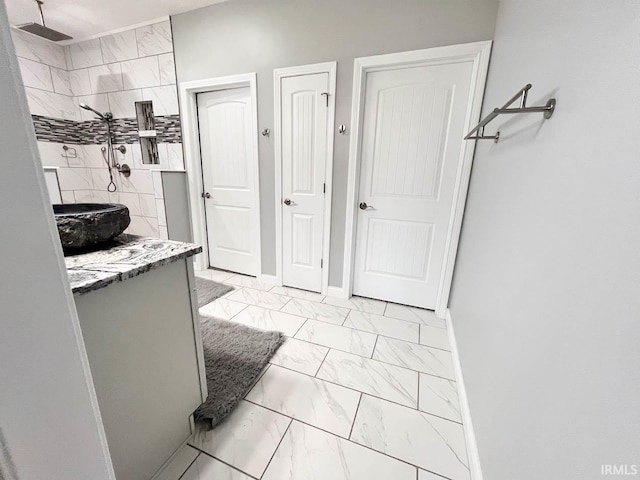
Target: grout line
[[355, 416], [194, 461], [320, 366], [374, 347], [276, 450], [300, 328], [221, 461], [262, 374]]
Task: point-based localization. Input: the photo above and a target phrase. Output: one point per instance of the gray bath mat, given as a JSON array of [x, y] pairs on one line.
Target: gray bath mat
[[234, 356], [208, 290]]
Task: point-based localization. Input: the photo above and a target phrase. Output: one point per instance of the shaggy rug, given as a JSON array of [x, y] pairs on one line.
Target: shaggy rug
[[208, 290], [234, 356]]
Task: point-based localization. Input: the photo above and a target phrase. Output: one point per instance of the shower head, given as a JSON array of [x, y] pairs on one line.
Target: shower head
[[42, 30], [103, 116]]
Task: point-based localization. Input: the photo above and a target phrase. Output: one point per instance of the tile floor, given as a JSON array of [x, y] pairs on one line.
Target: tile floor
[[361, 390]]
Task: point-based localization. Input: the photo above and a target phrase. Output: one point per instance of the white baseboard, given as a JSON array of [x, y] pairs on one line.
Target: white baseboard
[[337, 292], [469, 433], [263, 277]]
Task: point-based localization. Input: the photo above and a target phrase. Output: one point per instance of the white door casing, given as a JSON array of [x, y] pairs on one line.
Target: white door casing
[[224, 118], [304, 112], [409, 164]]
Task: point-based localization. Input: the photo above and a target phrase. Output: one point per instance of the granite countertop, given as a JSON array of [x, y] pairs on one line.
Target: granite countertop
[[126, 256]]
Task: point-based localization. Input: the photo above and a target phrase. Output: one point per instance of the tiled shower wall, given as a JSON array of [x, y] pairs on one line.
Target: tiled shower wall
[[110, 73]]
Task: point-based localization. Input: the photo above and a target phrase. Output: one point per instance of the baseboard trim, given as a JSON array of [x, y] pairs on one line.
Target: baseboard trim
[[263, 277], [469, 433], [337, 292]]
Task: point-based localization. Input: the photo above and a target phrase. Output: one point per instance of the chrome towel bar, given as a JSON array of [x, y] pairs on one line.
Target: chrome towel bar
[[547, 110]]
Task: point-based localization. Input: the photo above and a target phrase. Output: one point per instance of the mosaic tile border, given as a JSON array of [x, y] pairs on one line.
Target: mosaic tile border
[[94, 132]]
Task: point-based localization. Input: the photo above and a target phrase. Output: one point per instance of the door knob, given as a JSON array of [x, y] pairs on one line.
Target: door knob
[[287, 202], [364, 206], [206, 195]]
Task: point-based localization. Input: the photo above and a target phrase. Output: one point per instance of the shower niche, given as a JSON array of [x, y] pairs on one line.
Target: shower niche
[[147, 133]]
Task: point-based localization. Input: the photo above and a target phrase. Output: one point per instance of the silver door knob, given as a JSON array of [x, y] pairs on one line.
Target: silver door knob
[[206, 195], [287, 202], [364, 206]]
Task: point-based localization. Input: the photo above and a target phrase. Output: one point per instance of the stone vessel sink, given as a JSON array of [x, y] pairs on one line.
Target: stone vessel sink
[[82, 225]]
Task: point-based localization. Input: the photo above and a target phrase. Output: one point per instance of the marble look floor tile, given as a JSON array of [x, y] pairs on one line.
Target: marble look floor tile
[[415, 357], [300, 356], [260, 298], [439, 396], [297, 293], [317, 311], [222, 308], [307, 453], [308, 399], [389, 327], [434, 337], [247, 438], [370, 376], [266, 319], [413, 314], [335, 336], [207, 468], [249, 282], [421, 439], [362, 304], [215, 275], [179, 464]]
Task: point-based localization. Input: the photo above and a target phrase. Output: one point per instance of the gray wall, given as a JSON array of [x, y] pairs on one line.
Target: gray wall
[[259, 35], [546, 294], [48, 428]]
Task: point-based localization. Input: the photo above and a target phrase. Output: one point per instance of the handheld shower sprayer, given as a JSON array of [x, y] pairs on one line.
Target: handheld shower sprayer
[[108, 151]]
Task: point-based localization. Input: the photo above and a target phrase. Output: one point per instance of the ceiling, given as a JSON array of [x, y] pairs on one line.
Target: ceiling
[[88, 18]]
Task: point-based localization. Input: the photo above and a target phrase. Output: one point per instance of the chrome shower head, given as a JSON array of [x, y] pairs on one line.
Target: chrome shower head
[[103, 116]]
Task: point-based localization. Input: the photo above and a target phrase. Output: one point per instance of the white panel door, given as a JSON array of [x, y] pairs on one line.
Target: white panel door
[[304, 129], [411, 142], [230, 186]]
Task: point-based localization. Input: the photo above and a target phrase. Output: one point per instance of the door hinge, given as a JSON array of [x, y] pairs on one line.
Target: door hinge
[[321, 263], [324, 188]]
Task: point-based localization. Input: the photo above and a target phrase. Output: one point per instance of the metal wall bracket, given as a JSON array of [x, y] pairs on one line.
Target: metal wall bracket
[[547, 110]]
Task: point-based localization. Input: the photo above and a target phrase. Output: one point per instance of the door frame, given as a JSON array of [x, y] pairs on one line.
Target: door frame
[[193, 161], [477, 53], [278, 75]]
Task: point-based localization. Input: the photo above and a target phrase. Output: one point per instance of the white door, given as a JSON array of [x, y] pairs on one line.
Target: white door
[[411, 143], [229, 179], [304, 114]]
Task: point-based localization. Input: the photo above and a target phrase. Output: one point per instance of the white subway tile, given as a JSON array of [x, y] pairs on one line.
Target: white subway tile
[[139, 182], [106, 78], [74, 179], [165, 99], [158, 190], [141, 73], [174, 157], [90, 156], [34, 48], [61, 81], [119, 46], [148, 205], [130, 200], [163, 232], [35, 74], [49, 104], [86, 54], [161, 212], [145, 226], [51, 154], [79, 80], [154, 39], [68, 197], [123, 104], [167, 69]]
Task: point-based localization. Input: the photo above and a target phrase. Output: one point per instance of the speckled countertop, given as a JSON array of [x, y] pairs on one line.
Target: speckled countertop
[[127, 256]]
